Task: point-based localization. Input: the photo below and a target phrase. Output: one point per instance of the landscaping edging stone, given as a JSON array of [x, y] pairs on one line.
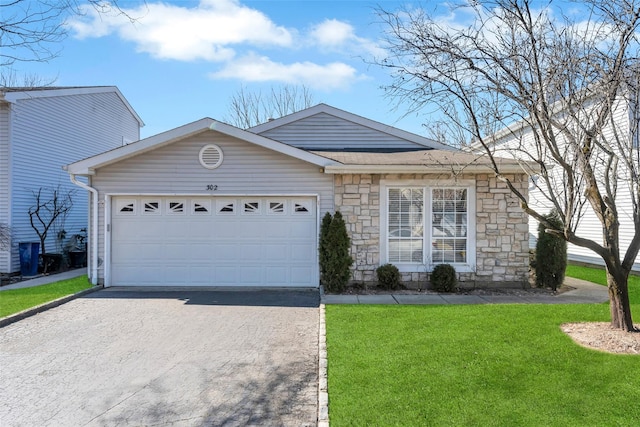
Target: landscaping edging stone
[[44, 307]]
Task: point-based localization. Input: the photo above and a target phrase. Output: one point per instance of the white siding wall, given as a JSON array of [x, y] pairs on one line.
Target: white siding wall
[[49, 132], [246, 169], [327, 132], [4, 179], [589, 226]]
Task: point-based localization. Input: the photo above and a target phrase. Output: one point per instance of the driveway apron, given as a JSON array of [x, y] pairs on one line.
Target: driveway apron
[[183, 357]]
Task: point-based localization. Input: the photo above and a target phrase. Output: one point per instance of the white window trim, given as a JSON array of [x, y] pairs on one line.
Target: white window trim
[[427, 186]]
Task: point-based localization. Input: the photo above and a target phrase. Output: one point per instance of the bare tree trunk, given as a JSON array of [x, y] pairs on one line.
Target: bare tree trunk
[[618, 284]]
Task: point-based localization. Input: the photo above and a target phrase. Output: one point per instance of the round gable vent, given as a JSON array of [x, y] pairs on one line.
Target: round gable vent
[[210, 156]]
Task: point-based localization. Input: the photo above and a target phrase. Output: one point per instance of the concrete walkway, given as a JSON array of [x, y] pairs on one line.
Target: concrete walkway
[[584, 293], [44, 280]]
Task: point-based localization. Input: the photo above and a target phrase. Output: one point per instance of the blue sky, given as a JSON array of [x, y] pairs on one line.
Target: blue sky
[[183, 60]]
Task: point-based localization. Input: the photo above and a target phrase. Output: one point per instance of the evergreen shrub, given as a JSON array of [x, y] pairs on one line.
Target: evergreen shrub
[[551, 254], [443, 278], [335, 261], [388, 277]]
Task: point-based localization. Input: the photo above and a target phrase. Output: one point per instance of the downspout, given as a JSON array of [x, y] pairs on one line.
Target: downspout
[[94, 228]]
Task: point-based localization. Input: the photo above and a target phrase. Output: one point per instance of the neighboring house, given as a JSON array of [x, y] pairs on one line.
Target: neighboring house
[[513, 141], [210, 204], [43, 129]]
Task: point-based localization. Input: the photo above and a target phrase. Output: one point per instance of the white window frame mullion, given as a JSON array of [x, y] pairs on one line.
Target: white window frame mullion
[[428, 186]]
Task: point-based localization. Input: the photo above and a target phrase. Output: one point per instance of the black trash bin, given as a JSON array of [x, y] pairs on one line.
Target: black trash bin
[[78, 259], [29, 252]]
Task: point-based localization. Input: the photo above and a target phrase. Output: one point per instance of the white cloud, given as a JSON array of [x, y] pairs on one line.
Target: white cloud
[[340, 36], [254, 68], [208, 31], [332, 33], [227, 31]]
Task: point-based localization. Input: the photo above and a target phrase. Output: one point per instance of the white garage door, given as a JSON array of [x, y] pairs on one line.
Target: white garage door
[[214, 241]]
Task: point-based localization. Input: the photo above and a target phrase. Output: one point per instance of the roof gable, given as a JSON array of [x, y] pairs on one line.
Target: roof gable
[[14, 94], [394, 137], [89, 165]]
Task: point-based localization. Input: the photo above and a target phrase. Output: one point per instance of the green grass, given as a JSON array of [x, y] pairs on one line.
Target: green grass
[[477, 365], [15, 300], [598, 275]]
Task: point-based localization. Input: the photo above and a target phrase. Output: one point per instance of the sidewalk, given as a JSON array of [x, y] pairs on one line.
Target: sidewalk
[[44, 280], [584, 293]]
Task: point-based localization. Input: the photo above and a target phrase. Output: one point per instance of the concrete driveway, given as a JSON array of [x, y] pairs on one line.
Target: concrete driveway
[[183, 358]]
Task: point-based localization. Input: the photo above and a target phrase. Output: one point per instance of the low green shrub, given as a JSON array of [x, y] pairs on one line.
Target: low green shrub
[[443, 278], [388, 277]]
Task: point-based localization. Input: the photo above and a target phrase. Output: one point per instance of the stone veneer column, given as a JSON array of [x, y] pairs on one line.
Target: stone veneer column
[[502, 232]]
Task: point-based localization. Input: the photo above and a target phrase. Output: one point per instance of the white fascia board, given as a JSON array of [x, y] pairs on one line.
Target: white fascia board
[[345, 115], [13, 96], [89, 165], [426, 169]]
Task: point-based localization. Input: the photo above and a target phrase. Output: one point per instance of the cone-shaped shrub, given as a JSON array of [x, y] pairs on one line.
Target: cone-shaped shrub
[[551, 254], [334, 253]]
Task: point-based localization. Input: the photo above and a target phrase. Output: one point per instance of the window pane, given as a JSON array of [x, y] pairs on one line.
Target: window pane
[[449, 225], [405, 225]]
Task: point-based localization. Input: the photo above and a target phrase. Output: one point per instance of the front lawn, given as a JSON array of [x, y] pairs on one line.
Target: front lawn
[[15, 300], [598, 275], [475, 365], [487, 365]]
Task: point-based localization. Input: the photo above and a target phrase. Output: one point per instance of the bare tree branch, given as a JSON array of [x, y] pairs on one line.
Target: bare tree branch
[[31, 30], [559, 90], [248, 109]]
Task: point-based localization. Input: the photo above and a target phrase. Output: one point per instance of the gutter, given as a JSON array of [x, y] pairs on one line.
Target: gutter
[[404, 169], [94, 228]]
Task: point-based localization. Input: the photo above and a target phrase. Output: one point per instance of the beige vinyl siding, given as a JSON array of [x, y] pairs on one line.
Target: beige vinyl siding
[[49, 132], [246, 169], [4, 179], [323, 131]]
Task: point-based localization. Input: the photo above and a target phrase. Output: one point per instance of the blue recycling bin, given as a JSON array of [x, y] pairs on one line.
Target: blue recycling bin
[[29, 252]]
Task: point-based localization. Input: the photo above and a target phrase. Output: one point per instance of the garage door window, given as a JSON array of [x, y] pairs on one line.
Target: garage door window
[[126, 207], [201, 207], [176, 207], [276, 208], [302, 208], [225, 207], [151, 208], [251, 207]]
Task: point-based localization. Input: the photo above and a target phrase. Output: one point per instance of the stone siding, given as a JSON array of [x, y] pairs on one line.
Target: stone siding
[[502, 244]]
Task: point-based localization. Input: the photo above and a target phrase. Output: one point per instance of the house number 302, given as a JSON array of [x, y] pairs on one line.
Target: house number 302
[[211, 187]]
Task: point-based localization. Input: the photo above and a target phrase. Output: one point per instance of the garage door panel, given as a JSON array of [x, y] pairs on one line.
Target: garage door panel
[[225, 252], [301, 274], [300, 229], [253, 253], [232, 243], [275, 252], [176, 274], [223, 228], [199, 252], [302, 252], [277, 276], [251, 276], [200, 275]]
